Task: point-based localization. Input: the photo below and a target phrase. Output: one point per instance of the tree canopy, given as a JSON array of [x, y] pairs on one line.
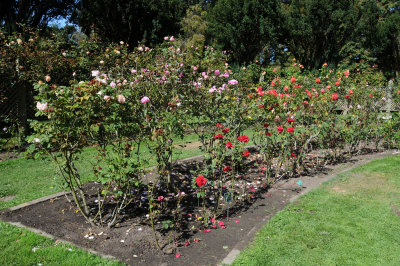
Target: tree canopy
[[33, 13]]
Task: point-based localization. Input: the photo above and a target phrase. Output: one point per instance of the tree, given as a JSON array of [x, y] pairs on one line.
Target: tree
[[33, 13], [194, 26], [316, 30], [244, 27], [131, 21]]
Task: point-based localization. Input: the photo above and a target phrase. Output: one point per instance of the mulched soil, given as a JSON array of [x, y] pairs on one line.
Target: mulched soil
[[132, 239]]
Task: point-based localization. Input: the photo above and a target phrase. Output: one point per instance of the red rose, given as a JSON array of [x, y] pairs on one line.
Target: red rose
[[290, 130], [334, 96], [243, 138], [280, 129], [229, 145], [317, 80], [398, 92], [293, 154], [225, 130], [290, 120], [322, 91], [293, 80], [227, 169], [370, 96], [201, 181], [219, 125], [337, 83], [268, 134], [350, 92], [218, 136], [266, 125], [348, 96], [246, 153]]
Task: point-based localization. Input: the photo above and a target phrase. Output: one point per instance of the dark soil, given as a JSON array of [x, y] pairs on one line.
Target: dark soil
[[132, 239]]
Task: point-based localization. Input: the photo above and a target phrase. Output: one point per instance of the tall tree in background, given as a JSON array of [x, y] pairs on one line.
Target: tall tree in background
[[244, 27], [33, 13], [131, 21], [316, 30]]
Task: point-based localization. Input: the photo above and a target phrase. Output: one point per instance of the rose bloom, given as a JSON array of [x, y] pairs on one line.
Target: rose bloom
[[337, 83], [226, 130], [233, 82], [107, 98], [229, 145], [280, 129], [41, 106], [350, 92], [334, 96], [293, 154], [266, 125], [290, 120], [348, 96], [201, 181], [318, 80], [243, 138], [246, 153], [322, 91], [160, 198], [292, 80], [121, 98], [145, 99], [216, 72], [268, 134], [218, 136], [227, 169], [290, 130]]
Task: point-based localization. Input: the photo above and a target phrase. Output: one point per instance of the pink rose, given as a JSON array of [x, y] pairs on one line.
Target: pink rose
[[145, 99], [121, 98], [41, 106], [107, 98]]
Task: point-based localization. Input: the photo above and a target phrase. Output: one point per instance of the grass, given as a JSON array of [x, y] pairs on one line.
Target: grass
[[352, 220], [21, 247]]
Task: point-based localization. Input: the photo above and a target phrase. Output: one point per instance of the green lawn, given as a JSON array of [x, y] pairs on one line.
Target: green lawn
[[352, 220], [21, 247]]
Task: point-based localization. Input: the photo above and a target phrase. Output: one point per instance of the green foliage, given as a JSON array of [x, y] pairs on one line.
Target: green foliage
[[33, 13], [194, 28], [244, 28], [315, 31], [131, 21]]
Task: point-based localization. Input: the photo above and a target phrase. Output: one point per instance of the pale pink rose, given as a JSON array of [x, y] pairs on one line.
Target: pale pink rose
[[121, 98], [172, 39], [112, 84], [41, 106], [95, 73], [233, 82], [166, 38], [140, 48], [226, 75], [145, 99], [107, 98]]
